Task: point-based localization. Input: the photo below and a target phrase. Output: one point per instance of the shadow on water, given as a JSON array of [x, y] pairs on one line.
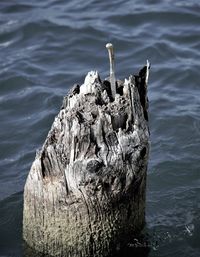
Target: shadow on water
[[132, 249], [11, 225]]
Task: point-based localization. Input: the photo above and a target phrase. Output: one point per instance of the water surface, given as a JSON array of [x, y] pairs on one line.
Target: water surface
[[47, 46]]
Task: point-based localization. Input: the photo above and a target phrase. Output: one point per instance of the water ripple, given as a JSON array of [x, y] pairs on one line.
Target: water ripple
[[47, 46]]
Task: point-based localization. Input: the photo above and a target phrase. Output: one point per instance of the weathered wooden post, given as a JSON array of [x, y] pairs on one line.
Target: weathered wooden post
[[85, 192]]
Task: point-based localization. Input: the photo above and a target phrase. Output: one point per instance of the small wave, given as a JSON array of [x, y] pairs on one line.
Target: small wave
[[8, 207]]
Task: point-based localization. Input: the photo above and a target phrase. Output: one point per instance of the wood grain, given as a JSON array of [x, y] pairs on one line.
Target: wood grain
[[85, 192]]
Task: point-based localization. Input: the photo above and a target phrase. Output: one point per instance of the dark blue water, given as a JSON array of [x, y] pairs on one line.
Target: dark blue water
[[47, 46]]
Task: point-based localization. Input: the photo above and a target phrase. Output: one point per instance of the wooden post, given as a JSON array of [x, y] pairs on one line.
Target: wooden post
[[85, 192]]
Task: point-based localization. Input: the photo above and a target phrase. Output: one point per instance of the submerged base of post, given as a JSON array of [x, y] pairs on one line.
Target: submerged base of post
[[85, 193]]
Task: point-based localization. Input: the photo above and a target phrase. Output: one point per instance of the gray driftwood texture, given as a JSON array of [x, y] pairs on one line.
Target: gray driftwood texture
[[85, 193]]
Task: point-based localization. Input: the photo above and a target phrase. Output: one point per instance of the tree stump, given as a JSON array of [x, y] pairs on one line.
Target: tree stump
[[85, 192]]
